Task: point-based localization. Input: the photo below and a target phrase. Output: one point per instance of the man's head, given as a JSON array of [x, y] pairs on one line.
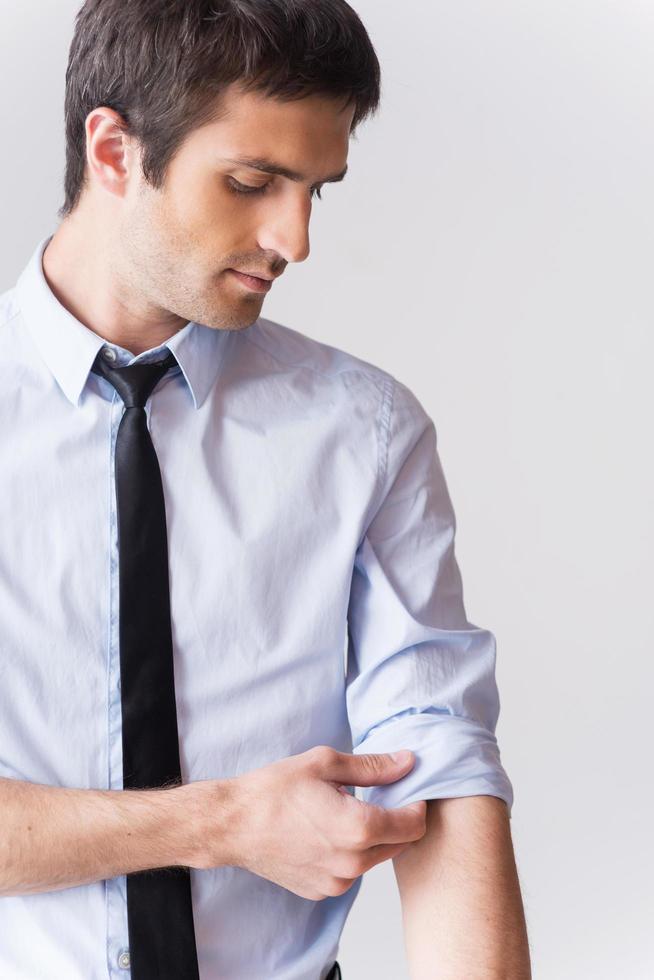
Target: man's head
[[164, 97]]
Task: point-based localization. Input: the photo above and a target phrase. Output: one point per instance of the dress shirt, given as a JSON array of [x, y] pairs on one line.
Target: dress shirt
[[315, 599]]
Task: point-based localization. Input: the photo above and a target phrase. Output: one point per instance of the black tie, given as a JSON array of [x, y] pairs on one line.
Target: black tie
[[159, 909]]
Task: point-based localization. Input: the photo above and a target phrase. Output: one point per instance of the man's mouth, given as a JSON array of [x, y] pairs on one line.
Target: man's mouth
[[256, 283]]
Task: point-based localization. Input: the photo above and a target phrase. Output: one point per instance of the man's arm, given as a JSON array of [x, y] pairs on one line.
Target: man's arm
[[53, 837], [461, 905]]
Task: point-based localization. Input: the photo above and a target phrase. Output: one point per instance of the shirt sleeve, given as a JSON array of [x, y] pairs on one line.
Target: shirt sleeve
[[419, 675]]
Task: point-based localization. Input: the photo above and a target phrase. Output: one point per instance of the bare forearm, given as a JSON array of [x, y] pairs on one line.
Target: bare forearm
[[53, 837], [461, 904]]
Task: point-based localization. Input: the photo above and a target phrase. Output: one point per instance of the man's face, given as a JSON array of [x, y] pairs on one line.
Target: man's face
[[179, 243]]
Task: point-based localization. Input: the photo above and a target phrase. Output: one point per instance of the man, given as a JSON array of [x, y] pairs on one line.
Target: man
[[203, 512]]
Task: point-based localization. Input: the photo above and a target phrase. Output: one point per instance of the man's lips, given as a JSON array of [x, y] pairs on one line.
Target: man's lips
[[258, 275], [260, 284]]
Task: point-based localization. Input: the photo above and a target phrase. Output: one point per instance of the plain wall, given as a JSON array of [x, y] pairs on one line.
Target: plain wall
[[492, 247]]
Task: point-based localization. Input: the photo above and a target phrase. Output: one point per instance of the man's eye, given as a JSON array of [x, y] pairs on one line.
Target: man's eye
[[238, 188]]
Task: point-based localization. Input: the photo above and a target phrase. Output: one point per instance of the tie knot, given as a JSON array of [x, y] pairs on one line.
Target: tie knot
[[134, 382]]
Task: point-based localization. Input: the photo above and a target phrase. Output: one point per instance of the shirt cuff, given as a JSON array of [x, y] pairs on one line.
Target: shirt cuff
[[454, 756]]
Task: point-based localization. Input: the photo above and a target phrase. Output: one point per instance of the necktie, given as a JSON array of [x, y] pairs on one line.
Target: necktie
[[159, 909]]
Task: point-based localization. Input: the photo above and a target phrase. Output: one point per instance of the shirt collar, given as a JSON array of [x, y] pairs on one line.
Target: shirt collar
[[69, 348]]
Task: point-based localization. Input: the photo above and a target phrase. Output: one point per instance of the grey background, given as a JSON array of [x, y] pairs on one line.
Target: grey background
[[492, 247]]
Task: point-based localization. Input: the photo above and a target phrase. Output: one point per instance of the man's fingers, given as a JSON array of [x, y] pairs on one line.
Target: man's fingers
[[366, 769], [374, 826]]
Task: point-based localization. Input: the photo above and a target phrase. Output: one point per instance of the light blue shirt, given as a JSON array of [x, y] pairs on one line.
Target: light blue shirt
[[315, 599]]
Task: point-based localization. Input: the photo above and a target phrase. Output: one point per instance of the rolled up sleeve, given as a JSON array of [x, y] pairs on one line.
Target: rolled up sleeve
[[419, 674]]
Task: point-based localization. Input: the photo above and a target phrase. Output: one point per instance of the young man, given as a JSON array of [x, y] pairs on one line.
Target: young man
[[203, 511]]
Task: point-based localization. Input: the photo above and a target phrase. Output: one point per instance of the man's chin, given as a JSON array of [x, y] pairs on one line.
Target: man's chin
[[239, 320]]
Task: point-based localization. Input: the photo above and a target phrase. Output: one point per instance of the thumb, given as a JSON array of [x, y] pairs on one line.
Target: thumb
[[369, 769]]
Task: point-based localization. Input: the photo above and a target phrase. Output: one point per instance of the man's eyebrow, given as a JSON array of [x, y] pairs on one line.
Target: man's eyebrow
[[270, 167]]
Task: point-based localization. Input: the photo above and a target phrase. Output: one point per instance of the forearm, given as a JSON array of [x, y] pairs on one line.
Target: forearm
[[54, 837], [461, 905]]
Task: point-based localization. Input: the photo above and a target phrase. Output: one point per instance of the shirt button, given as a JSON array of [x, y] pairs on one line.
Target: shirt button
[[123, 959], [109, 354]]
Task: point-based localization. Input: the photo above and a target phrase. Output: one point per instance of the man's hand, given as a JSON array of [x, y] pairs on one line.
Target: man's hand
[[294, 823]]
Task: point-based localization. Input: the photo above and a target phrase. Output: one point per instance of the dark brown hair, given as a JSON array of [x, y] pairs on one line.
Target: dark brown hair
[[163, 64]]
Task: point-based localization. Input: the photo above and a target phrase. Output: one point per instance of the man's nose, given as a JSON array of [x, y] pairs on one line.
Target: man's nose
[[286, 231]]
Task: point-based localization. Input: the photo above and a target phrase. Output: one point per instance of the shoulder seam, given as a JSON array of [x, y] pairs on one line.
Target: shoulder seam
[[383, 426]]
